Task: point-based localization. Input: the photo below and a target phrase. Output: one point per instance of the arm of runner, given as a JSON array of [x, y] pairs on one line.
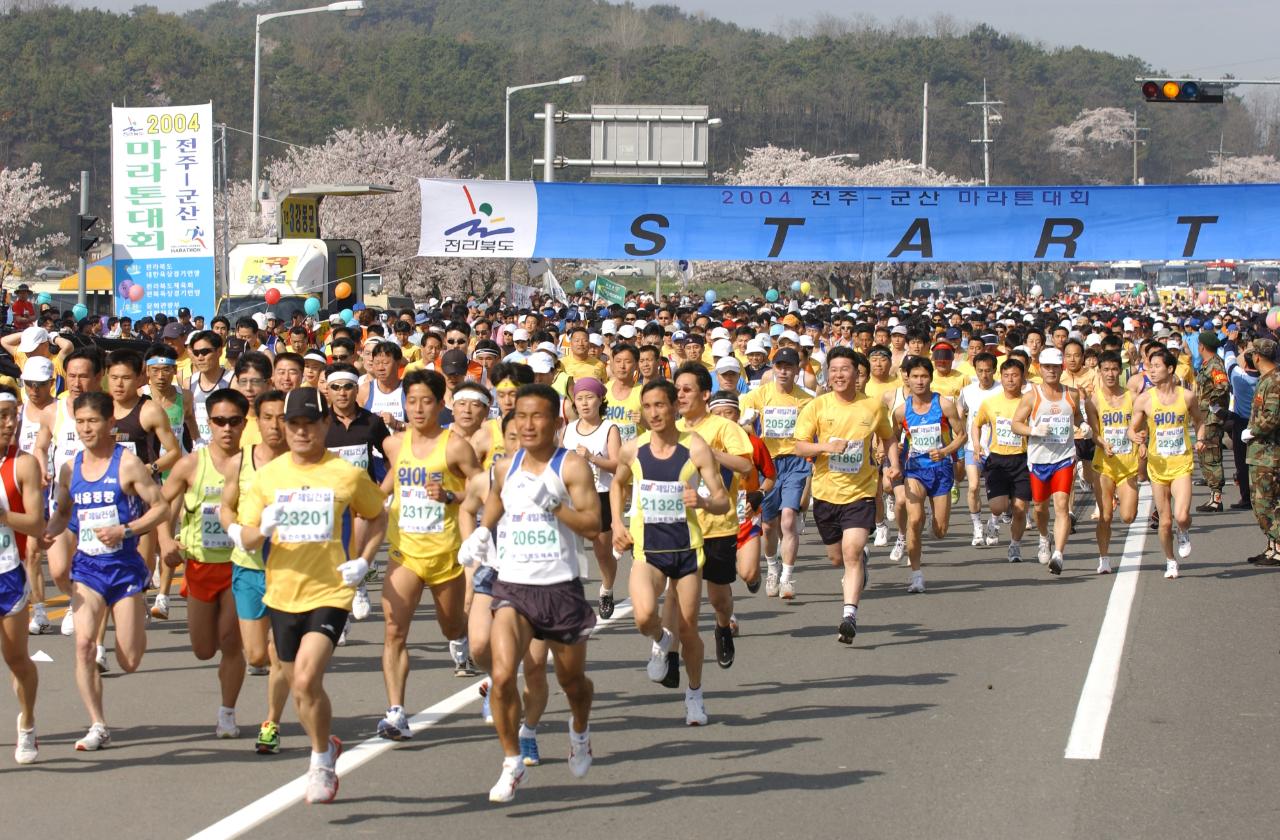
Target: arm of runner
[[391, 451], [584, 517], [135, 478], [617, 496], [31, 521], [173, 488], [230, 495], [1197, 415], [1018, 423], [1095, 424], [378, 435], [981, 420], [368, 502], [480, 441], [156, 421], [1138, 424], [62, 505], [959, 432], [44, 439], [460, 455], [493, 508], [806, 430], [613, 445], [472, 503], [739, 458], [703, 458], [11, 341]]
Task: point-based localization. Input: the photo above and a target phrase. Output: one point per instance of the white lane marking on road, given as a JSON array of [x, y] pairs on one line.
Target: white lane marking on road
[[1099, 691], [41, 656], [290, 794]]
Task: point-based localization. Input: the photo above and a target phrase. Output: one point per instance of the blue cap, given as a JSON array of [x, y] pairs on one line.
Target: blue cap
[[354, 324], [1194, 322], [953, 334], [420, 318], [356, 307]]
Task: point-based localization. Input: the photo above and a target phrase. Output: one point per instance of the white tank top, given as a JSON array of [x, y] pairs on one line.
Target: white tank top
[[10, 557], [28, 431], [66, 442], [1059, 442], [534, 547], [381, 402], [597, 443], [198, 397]]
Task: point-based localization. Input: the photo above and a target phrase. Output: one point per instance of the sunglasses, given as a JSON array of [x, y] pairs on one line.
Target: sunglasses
[[202, 352], [341, 358], [341, 386], [232, 421], [252, 383]]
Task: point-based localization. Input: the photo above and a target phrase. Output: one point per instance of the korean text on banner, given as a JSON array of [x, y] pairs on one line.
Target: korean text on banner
[[611, 291], [162, 210]]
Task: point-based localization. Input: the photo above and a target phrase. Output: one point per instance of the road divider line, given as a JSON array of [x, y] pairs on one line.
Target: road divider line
[[1099, 691], [291, 793]]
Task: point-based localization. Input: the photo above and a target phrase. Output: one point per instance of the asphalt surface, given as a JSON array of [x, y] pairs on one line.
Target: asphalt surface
[[948, 717]]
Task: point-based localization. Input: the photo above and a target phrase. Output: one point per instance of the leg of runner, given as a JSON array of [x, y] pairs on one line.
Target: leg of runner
[[790, 545], [212, 627], [973, 497], [772, 529], [689, 595], [671, 621], [401, 594], [900, 516], [306, 678], [602, 547], [1106, 510], [914, 501], [718, 572], [248, 587], [579, 691], [34, 563], [59, 555], [1180, 504], [13, 645], [940, 507], [534, 701], [1163, 503], [511, 635], [1061, 502]]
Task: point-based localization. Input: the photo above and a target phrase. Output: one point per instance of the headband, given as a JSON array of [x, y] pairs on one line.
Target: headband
[[342, 376], [716, 402], [589, 383], [508, 385], [161, 361], [472, 393], [6, 397]]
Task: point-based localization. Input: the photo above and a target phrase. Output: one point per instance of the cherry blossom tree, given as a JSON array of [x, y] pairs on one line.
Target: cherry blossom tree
[[24, 196], [1083, 147], [1244, 169]]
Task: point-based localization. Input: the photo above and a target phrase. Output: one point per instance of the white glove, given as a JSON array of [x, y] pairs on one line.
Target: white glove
[[476, 548], [1040, 430], [270, 519], [749, 416], [1246, 435], [547, 495], [353, 571], [234, 532], [1086, 430]]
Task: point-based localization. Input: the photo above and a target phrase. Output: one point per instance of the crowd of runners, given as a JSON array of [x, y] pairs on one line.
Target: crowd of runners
[[502, 455]]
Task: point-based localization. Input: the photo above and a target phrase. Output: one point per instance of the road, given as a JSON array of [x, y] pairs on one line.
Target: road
[[948, 717]]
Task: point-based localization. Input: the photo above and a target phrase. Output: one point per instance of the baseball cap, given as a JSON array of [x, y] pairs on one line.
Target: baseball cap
[[37, 369], [453, 363], [172, 330], [236, 347], [679, 335], [722, 347], [1051, 356], [542, 363], [521, 334], [728, 363], [304, 404], [627, 331], [900, 329], [755, 346], [786, 356], [33, 338]]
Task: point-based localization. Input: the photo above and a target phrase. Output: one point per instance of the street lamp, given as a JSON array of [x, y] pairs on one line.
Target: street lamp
[[567, 80], [349, 7]]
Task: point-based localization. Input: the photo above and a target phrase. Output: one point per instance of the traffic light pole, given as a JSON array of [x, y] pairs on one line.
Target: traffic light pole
[[82, 290]]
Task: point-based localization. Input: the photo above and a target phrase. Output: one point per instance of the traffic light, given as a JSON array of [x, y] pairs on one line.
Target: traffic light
[[87, 238], [1182, 90]]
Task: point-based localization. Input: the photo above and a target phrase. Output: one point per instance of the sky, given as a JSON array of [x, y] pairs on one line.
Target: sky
[[1201, 39]]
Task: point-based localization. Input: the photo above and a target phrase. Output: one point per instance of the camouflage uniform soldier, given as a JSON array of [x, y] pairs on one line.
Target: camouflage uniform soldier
[[1214, 390], [1263, 456]]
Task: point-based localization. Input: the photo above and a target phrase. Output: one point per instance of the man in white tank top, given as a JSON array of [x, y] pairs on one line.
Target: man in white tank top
[[382, 393], [36, 413], [209, 376], [541, 503]]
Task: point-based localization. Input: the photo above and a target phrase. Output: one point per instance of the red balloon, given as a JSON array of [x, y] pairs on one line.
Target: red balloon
[[273, 296], [135, 293]]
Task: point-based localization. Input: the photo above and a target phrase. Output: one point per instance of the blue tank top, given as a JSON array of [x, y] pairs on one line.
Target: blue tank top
[[926, 431], [665, 525], [97, 504]]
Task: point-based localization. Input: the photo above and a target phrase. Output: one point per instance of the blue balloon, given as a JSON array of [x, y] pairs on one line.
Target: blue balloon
[[795, 285], [771, 295], [312, 306], [593, 285], [710, 296], [43, 298], [346, 315], [80, 311], [577, 285]]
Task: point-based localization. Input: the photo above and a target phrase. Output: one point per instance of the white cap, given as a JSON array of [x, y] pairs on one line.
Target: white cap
[[755, 346], [728, 363], [893, 322], [597, 340], [37, 368], [639, 324], [521, 334], [542, 363], [260, 318], [719, 332], [1093, 340], [721, 347], [789, 335], [509, 328], [335, 319], [627, 331], [1174, 343], [608, 328], [271, 316], [1051, 356], [33, 338], [806, 340], [548, 347]]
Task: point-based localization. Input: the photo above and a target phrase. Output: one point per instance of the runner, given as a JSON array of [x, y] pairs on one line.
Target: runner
[[21, 516], [382, 394], [429, 468], [934, 433], [36, 412], [1163, 419], [104, 515], [1003, 453], [972, 396], [597, 441], [194, 490], [209, 376], [839, 429], [541, 503], [299, 503], [666, 538], [1115, 458]]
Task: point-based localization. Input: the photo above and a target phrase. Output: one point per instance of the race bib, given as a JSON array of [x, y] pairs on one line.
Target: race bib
[[925, 438], [1117, 438], [357, 455], [1170, 442], [1005, 436], [661, 501], [531, 538], [849, 461], [211, 533], [419, 514], [91, 519], [1058, 428], [779, 421], [627, 429], [306, 516], [742, 505], [9, 557], [202, 422], [129, 445]]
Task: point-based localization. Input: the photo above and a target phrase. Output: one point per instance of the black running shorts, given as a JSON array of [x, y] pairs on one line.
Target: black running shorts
[[557, 612], [833, 519], [1008, 475], [288, 628], [721, 563]]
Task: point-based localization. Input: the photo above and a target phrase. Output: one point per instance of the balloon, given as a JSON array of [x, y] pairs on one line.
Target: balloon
[[136, 292], [80, 311], [1140, 288], [1203, 297], [1035, 291], [805, 287], [593, 285], [346, 315], [342, 290], [1273, 318], [710, 296], [795, 285], [43, 298], [123, 289], [771, 295], [272, 296], [578, 285], [312, 306]]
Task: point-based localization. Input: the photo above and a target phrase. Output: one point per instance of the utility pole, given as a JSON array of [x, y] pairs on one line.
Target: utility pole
[[924, 131], [1137, 140], [989, 115], [1219, 153], [82, 266]]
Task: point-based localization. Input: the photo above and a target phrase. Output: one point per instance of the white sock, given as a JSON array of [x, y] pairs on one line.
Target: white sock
[[527, 732], [226, 710], [850, 611], [323, 759], [771, 562], [605, 591], [693, 693], [511, 761], [580, 737], [102, 651], [976, 518], [1102, 558], [786, 573]]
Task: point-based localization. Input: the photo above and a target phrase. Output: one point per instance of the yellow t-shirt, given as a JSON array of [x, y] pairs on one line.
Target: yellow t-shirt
[[723, 436], [589, 369], [950, 385], [625, 413], [418, 527], [1169, 452], [852, 475], [306, 548], [997, 412], [252, 434], [778, 412], [877, 390]]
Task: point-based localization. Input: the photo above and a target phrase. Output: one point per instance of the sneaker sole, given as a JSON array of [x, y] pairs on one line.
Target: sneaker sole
[[848, 630], [1055, 568]]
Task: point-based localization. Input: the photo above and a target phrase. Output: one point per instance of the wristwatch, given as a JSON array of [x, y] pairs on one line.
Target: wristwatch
[[450, 497], [128, 533]]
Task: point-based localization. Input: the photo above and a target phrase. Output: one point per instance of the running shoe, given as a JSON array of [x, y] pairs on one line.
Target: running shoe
[[1153, 521], [160, 609], [1015, 552], [733, 625], [848, 629], [695, 711], [672, 678], [979, 537], [992, 535], [1055, 563], [606, 605], [724, 647], [1170, 569], [68, 623], [39, 620], [771, 584], [371, 576], [268, 742], [504, 790], [342, 637], [1006, 518], [899, 548], [917, 582], [1104, 566], [753, 586], [394, 726], [101, 660], [787, 589], [98, 737], [955, 494], [1184, 542], [28, 745], [529, 752], [888, 507], [226, 726], [360, 605], [882, 535], [322, 781], [258, 670], [579, 755], [1268, 558], [466, 669], [1210, 507], [657, 667], [1074, 521], [1043, 551]]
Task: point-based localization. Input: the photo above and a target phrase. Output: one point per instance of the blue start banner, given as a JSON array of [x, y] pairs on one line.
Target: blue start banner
[[848, 224]]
